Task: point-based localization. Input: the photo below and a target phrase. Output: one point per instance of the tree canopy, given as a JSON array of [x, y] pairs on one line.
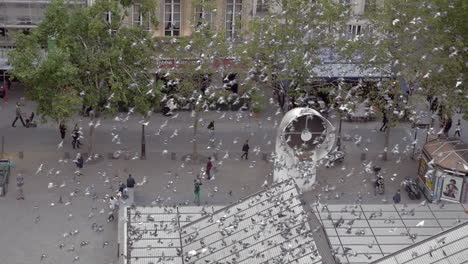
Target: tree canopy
[[76, 57], [424, 44]]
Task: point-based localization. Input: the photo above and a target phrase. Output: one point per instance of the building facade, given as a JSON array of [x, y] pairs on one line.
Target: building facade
[[177, 18]]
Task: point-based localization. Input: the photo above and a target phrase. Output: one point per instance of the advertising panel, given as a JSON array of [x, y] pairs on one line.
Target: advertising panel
[[452, 188]]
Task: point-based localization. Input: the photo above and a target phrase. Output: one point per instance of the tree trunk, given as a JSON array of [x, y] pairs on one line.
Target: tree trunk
[[143, 143], [386, 144], [194, 139]]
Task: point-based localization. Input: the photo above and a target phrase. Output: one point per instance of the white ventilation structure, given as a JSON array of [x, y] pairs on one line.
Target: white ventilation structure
[[304, 137]]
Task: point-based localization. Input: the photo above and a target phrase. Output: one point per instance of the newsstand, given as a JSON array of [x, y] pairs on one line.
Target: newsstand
[[443, 170]]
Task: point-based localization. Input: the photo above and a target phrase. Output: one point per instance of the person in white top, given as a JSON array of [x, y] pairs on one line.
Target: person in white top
[[113, 204], [458, 128]]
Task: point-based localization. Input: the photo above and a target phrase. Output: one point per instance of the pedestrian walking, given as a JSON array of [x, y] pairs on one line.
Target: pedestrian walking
[[397, 197], [19, 115], [122, 190], [209, 166], [130, 186], [197, 185], [76, 135], [384, 122], [63, 129], [447, 126], [113, 205], [130, 181], [19, 185], [245, 149], [458, 129], [211, 129], [434, 105], [79, 161]]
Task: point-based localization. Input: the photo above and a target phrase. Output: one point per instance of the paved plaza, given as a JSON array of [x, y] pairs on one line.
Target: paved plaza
[[63, 216]]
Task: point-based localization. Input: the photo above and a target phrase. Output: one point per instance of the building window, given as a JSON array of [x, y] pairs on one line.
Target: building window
[[172, 18], [202, 16], [108, 16], [262, 6], [233, 18], [358, 30], [140, 19], [354, 30]]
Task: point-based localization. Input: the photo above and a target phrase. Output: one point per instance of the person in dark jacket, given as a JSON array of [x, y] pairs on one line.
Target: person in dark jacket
[[63, 129], [384, 122], [245, 149], [447, 126], [130, 181], [209, 166], [76, 137], [79, 161]]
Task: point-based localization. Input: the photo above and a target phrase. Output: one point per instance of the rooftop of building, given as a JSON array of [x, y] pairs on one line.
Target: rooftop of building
[[272, 226]]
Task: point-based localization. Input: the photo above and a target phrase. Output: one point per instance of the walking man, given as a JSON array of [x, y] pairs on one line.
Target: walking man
[[79, 161], [63, 129], [211, 129], [18, 115], [197, 185], [209, 166], [384, 122], [245, 149], [458, 129], [447, 126], [130, 186], [113, 205], [397, 197], [76, 137]]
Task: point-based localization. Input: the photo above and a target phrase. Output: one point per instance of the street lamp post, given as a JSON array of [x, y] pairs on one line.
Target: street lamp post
[[143, 142]]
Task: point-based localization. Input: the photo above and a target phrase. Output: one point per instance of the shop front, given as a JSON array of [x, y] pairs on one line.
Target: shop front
[[443, 170]]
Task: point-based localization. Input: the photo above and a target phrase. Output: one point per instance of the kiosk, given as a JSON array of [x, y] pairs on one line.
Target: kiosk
[[443, 170]]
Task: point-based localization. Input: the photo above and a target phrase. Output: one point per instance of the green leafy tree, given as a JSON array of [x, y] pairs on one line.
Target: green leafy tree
[[286, 44], [421, 43], [90, 61]]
